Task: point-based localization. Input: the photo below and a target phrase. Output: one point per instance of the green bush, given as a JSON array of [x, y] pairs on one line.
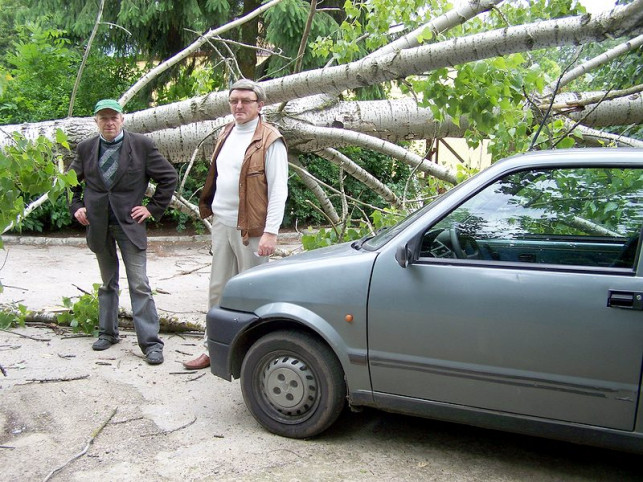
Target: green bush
[[43, 66], [327, 237], [13, 315], [302, 208], [83, 314], [49, 217]]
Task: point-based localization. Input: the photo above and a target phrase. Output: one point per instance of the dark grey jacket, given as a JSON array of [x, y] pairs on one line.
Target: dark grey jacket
[[139, 162]]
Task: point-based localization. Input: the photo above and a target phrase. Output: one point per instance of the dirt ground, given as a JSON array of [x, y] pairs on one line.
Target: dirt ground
[[73, 414]]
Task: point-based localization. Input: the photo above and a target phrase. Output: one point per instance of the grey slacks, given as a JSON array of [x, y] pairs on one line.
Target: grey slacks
[[146, 320]]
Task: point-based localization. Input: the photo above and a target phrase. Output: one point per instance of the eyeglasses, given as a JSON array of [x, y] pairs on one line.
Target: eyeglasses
[[243, 101]]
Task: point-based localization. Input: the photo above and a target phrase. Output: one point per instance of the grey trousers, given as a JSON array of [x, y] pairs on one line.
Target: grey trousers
[[146, 320]]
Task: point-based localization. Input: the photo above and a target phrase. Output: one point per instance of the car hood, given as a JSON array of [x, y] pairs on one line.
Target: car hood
[[335, 275]]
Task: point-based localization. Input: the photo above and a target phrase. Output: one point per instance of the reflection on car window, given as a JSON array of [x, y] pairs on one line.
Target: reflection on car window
[[585, 217], [384, 236]]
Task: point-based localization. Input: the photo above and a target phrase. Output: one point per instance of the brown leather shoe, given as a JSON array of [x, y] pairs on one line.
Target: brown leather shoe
[[198, 363]]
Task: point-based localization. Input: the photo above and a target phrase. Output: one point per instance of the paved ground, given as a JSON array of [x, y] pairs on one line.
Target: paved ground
[[110, 416], [40, 275], [39, 272]]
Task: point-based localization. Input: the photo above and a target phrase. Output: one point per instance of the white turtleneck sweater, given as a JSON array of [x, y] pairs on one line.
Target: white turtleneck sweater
[[225, 204]]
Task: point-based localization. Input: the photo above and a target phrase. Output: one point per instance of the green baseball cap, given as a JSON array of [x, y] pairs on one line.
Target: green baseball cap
[[108, 104]]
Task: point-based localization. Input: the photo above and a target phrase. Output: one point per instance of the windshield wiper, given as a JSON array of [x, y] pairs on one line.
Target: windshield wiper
[[358, 244]]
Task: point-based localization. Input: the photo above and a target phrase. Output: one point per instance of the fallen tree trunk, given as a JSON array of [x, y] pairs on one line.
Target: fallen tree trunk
[[167, 324]]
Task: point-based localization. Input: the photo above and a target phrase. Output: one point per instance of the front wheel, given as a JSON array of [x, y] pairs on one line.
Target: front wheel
[[293, 384]]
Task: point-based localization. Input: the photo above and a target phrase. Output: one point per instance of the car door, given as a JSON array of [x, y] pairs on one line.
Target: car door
[[524, 299]]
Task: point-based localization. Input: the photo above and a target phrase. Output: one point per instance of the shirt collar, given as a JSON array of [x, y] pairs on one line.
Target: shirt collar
[[116, 139]]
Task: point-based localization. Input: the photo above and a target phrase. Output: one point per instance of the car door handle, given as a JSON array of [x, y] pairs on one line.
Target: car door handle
[[629, 300]]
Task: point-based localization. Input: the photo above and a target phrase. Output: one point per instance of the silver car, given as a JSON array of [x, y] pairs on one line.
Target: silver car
[[513, 302]]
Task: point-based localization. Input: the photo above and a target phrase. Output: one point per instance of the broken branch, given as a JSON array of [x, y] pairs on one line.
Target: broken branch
[[50, 380], [166, 432], [84, 451]]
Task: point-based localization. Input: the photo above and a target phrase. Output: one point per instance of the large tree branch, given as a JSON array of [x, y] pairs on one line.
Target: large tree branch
[[162, 67], [313, 184], [575, 101], [398, 65], [395, 120], [85, 57], [340, 136], [610, 112], [596, 138], [360, 174], [456, 16], [602, 59]]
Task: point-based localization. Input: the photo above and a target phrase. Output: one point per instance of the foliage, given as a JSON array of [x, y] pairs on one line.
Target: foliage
[[42, 70], [40, 65], [372, 21], [160, 29], [12, 14], [489, 94], [30, 169], [151, 29], [83, 314], [303, 208], [285, 23], [327, 237], [191, 80], [49, 217], [13, 315]]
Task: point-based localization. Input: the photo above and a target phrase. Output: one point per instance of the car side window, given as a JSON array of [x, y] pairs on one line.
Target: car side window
[[589, 217]]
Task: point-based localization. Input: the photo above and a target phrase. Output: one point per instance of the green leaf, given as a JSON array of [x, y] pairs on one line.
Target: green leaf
[[566, 143], [425, 35], [61, 138]]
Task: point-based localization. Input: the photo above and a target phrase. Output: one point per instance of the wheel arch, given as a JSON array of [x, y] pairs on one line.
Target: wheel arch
[[262, 327], [287, 316]]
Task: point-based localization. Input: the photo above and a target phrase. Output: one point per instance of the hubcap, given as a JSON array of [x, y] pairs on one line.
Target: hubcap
[[289, 385]]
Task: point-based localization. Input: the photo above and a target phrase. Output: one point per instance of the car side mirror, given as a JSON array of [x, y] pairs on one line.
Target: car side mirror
[[404, 255]]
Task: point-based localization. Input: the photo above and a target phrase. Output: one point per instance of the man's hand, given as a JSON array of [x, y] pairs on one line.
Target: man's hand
[[140, 214], [81, 216], [267, 244]]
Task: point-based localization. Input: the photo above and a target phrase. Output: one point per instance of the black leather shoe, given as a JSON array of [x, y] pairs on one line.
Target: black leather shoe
[[155, 357], [103, 344]]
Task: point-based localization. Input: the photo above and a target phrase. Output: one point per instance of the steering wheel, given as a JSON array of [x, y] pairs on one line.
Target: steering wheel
[[627, 255], [457, 247]]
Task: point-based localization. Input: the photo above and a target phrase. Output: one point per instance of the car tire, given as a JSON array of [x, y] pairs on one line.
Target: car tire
[[293, 384]]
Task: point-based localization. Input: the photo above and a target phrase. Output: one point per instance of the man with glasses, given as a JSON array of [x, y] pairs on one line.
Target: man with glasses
[[245, 192]]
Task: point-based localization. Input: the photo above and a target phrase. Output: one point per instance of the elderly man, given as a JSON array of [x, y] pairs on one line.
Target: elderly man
[[116, 166], [246, 190]]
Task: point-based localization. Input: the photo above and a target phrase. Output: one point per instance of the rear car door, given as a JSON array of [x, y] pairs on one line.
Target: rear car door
[[525, 299]]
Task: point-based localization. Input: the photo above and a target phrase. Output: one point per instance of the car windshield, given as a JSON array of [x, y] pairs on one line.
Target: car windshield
[[386, 234]]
